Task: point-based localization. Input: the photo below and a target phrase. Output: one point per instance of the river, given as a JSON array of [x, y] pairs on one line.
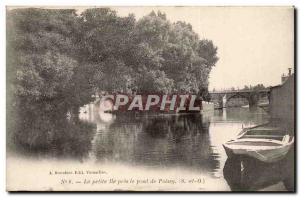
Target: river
[[172, 147], [191, 142]]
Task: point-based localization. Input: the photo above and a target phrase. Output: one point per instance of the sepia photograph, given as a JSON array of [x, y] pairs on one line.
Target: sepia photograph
[[150, 99]]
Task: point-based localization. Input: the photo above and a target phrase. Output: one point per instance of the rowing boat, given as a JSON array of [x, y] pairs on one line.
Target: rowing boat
[[265, 143]]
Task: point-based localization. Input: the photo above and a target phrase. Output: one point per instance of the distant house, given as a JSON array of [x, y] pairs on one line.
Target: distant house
[[285, 77], [282, 103]]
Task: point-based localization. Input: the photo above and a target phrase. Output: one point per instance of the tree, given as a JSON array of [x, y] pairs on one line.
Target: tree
[[62, 58], [175, 50], [56, 61], [41, 72], [106, 48], [40, 56], [246, 87]]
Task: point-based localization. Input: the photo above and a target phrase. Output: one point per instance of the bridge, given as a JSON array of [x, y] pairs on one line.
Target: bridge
[[253, 96]]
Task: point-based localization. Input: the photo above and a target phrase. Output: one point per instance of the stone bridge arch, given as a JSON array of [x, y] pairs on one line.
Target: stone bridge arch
[[238, 95], [253, 97]]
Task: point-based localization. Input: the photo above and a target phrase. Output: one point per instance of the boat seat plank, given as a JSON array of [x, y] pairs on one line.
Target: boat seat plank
[[263, 136]]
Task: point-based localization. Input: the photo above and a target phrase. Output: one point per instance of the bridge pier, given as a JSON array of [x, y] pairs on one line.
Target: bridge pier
[[224, 101]]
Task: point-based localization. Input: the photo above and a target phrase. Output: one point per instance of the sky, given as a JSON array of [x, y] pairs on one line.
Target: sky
[[255, 44]]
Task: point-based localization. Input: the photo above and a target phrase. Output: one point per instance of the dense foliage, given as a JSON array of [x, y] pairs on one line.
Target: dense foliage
[[58, 59]]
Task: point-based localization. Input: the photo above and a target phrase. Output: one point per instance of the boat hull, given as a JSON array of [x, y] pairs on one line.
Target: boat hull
[[264, 155]]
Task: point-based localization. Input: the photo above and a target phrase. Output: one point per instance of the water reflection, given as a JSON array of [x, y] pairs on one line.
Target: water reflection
[[165, 140], [152, 140], [247, 174], [51, 135], [189, 141]]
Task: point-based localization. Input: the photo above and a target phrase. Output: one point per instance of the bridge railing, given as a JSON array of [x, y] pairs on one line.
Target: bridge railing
[[236, 91]]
